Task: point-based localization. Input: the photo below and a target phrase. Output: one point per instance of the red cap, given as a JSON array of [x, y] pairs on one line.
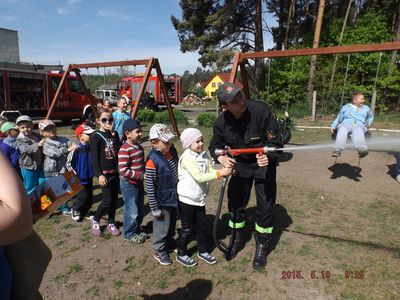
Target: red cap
[[83, 129]]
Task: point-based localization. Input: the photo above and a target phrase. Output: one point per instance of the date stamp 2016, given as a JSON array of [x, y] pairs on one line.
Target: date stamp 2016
[[321, 274]]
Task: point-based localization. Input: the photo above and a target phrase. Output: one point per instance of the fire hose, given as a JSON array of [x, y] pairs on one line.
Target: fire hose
[[224, 248]]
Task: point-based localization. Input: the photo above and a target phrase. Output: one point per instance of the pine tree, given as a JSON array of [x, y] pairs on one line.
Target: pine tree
[[215, 29]]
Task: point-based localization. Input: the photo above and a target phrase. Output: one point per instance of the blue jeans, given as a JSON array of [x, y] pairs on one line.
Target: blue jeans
[[133, 207], [398, 164]]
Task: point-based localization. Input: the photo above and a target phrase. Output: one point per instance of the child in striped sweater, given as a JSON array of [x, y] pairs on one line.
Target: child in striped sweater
[[161, 182], [131, 172]]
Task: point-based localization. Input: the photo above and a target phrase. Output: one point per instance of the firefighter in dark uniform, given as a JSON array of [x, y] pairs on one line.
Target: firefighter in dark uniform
[[247, 124]]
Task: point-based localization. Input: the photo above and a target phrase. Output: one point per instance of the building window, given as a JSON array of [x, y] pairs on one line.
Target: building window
[[213, 84], [219, 84]]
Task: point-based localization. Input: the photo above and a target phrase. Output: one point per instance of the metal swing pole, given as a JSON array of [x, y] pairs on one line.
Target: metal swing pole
[[373, 100], [268, 76], [345, 80]]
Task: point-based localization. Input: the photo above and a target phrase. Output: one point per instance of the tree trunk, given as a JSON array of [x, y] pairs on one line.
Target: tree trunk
[[291, 13], [394, 53], [311, 76], [259, 46]]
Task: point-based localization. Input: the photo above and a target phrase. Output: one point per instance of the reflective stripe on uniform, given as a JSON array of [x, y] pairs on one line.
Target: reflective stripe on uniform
[[236, 225], [263, 230]]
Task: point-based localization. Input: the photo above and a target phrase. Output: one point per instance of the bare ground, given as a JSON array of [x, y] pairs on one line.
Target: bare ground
[[331, 218]]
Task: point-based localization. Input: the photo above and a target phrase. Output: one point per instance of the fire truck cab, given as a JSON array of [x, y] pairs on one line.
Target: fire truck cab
[[26, 90]]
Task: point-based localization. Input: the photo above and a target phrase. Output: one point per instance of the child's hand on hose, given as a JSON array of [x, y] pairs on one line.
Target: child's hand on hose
[[102, 180], [225, 171]]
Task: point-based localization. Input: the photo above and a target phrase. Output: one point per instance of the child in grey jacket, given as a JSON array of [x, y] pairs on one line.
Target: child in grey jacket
[[30, 147], [55, 150]]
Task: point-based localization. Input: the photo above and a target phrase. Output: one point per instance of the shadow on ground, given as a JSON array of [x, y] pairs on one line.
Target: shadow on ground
[[281, 217], [345, 170], [197, 289]]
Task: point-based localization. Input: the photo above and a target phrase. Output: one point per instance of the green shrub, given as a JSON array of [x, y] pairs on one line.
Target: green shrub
[[146, 115], [206, 119], [163, 117]]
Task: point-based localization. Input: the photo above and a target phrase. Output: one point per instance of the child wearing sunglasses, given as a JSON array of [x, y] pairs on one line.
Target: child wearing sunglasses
[[104, 146]]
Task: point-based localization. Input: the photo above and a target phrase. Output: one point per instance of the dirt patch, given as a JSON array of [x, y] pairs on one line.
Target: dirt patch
[[331, 219]]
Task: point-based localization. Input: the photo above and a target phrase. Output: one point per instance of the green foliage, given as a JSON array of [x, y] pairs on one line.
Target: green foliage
[[206, 119], [146, 115], [163, 117], [216, 29], [189, 80], [199, 91], [288, 77]]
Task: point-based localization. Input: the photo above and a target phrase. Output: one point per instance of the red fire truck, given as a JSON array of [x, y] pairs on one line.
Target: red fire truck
[[27, 89], [130, 87]]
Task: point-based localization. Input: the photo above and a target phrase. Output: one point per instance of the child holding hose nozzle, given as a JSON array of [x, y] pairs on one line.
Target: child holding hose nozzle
[[247, 124], [195, 172]]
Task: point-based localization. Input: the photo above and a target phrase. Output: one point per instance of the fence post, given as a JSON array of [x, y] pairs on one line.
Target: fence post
[[314, 104]]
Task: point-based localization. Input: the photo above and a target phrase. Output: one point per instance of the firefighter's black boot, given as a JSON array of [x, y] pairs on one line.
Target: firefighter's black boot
[[260, 257], [237, 243]]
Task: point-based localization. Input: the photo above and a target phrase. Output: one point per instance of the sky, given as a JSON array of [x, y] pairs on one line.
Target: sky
[[86, 31]]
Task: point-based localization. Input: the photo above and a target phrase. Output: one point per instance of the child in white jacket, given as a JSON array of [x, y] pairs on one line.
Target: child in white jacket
[[195, 171]]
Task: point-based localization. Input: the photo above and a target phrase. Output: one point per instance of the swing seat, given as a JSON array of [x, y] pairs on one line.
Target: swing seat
[[367, 135]]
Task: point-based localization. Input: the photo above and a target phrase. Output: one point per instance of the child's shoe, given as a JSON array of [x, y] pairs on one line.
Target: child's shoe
[[336, 153], [186, 260], [95, 228], [136, 239], [113, 229], [398, 178], [144, 235], [362, 152], [163, 258], [207, 257], [76, 215]]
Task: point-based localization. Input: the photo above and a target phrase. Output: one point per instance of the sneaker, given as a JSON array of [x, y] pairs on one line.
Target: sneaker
[[88, 215], [95, 228], [398, 178], [362, 153], [76, 215], [336, 153], [207, 257], [113, 229], [163, 258], [136, 239], [66, 212], [186, 260], [144, 235]]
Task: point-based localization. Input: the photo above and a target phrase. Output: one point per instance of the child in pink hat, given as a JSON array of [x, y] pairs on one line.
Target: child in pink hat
[[195, 172]]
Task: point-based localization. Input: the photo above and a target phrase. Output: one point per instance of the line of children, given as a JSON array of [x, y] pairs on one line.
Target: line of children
[[96, 155]]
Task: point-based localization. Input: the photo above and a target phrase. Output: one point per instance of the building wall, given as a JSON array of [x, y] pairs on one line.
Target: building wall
[[213, 85], [9, 49]]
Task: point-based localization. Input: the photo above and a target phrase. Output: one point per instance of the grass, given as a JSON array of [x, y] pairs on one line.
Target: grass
[[62, 277]]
